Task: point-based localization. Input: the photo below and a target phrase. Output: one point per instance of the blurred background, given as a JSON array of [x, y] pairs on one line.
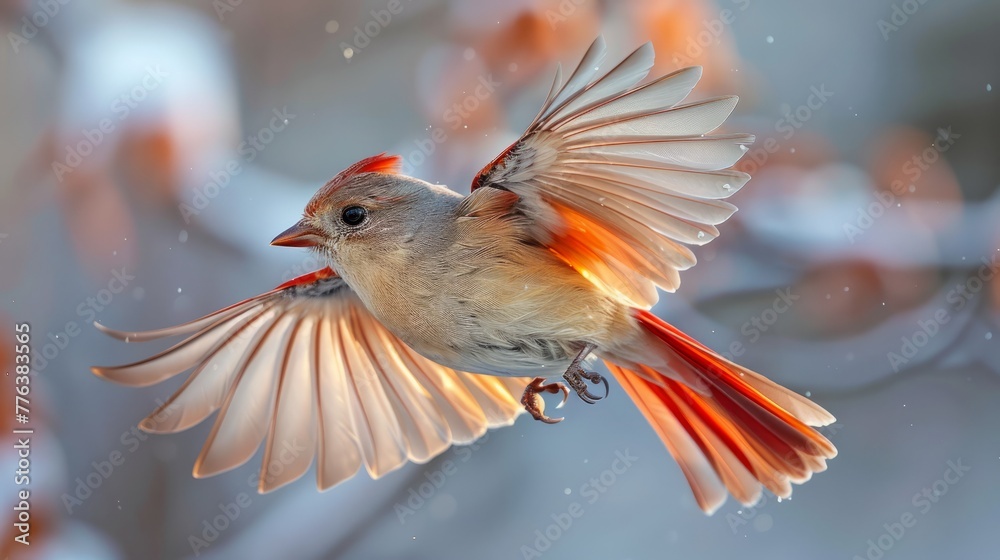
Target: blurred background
[[152, 149]]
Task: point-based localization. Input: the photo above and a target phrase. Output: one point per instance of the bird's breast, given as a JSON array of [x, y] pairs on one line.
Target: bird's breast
[[496, 313]]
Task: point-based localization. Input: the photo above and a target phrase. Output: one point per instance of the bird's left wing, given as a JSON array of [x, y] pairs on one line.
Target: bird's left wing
[[618, 179], [307, 370]]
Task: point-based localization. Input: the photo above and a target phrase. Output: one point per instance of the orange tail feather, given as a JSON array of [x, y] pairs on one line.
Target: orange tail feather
[[745, 434]]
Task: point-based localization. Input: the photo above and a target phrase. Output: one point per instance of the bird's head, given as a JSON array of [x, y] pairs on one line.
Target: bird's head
[[367, 207]]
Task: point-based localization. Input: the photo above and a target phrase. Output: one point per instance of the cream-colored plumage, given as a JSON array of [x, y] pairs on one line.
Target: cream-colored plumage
[[558, 251], [495, 315]]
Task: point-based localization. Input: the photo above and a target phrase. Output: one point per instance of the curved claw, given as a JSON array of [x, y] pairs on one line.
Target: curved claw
[[565, 392], [534, 404], [549, 420], [593, 377], [607, 388], [534, 408]]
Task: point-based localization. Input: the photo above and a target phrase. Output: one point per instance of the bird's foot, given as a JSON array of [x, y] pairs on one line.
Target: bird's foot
[[533, 402], [577, 378]]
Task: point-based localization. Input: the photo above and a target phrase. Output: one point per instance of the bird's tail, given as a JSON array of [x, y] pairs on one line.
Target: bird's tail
[[731, 430]]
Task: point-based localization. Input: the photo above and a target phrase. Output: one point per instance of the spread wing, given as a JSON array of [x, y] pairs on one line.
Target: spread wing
[[307, 370], [619, 179]]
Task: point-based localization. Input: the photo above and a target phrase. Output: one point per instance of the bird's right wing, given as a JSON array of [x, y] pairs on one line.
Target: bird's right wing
[[308, 370], [618, 179]]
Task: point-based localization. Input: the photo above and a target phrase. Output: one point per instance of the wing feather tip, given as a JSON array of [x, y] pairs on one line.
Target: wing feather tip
[[110, 373], [200, 469], [712, 506], [264, 487], [197, 471], [323, 485], [146, 425], [696, 71], [114, 333], [114, 375], [151, 426]]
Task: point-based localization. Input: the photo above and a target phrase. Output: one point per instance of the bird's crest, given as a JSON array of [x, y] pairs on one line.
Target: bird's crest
[[381, 163]]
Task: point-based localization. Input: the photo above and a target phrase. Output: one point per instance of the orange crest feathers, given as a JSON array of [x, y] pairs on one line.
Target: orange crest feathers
[[381, 163], [375, 164]]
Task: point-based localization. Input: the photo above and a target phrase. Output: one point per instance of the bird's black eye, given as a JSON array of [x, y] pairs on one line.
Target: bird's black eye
[[354, 215]]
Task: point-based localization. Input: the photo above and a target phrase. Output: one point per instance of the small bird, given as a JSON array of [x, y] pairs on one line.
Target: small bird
[[438, 311]]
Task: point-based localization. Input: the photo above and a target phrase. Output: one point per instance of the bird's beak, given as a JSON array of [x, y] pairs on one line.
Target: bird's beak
[[299, 235]]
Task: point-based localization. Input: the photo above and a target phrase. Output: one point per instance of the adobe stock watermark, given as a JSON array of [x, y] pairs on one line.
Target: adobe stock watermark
[[32, 24], [759, 324], [901, 13], [922, 502], [792, 120], [248, 150], [562, 12], [422, 493], [368, 31], [120, 108], [213, 526], [710, 34], [131, 440], [225, 7], [914, 168], [956, 298], [455, 116], [591, 491], [88, 310]]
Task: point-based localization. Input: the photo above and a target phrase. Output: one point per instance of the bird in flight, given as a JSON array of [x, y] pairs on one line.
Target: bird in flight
[[441, 315]]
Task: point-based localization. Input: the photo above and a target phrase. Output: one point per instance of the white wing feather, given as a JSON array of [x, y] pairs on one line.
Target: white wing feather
[[308, 372]]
